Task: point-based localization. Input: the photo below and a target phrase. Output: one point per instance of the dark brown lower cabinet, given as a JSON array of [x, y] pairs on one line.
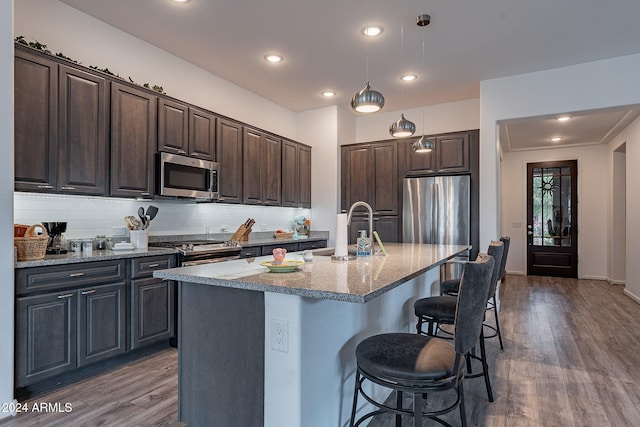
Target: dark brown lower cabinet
[[60, 331], [45, 336], [387, 227], [152, 315]]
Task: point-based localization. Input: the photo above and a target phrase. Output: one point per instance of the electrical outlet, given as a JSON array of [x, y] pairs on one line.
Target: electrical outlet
[[118, 231], [280, 335]]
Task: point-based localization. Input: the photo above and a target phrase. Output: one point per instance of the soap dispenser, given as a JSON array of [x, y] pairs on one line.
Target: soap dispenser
[[363, 244]]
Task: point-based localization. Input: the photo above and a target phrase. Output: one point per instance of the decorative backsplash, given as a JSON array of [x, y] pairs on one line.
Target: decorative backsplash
[[88, 216]]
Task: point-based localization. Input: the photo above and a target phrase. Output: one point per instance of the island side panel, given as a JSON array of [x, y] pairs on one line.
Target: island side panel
[[220, 356]]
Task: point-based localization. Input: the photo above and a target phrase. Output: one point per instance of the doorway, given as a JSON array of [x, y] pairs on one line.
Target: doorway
[[552, 218]]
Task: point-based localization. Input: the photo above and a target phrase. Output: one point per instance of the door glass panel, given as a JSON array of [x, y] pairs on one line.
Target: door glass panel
[[552, 206]]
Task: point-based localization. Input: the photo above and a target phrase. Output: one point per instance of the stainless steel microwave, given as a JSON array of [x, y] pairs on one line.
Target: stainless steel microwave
[[182, 176]]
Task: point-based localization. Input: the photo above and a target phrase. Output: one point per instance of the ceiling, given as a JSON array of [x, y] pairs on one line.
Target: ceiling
[[467, 41]]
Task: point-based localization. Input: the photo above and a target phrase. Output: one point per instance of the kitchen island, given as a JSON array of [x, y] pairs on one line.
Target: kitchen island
[[277, 349]]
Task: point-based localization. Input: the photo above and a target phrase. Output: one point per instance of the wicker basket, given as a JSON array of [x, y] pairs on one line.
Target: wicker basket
[[31, 248]]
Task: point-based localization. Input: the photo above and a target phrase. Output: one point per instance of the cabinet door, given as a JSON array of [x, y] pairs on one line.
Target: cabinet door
[[388, 228], [356, 172], [253, 157], [304, 176], [152, 312], [229, 155], [202, 134], [173, 126], [35, 122], [272, 172], [45, 336], [385, 178], [418, 164], [101, 322], [133, 141], [83, 149], [453, 153], [289, 173]]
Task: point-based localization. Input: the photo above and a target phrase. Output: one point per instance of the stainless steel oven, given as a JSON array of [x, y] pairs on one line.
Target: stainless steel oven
[[188, 177], [197, 252]]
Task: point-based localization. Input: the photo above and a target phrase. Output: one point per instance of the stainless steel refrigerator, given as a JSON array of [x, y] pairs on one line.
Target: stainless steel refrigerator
[[437, 210]]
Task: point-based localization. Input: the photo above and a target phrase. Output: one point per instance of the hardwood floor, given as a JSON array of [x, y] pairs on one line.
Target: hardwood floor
[[571, 358], [142, 393]]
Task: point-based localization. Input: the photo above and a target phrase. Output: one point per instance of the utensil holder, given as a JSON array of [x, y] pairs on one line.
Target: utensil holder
[[139, 238]]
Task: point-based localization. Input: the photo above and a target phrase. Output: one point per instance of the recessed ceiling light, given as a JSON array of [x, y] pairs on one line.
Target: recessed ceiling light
[[563, 118], [409, 77], [328, 93], [556, 139], [273, 58], [181, 1], [372, 30]]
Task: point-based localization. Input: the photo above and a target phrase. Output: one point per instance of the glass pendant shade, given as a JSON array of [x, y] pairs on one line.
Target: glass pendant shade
[[367, 100], [423, 145], [402, 128]]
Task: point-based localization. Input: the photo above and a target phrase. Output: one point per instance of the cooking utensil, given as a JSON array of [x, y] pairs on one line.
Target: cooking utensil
[[132, 222], [152, 211], [143, 218]]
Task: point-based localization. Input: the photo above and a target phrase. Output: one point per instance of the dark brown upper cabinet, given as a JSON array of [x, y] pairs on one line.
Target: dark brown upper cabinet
[[262, 155], [83, 144], [370, 174], [186, 130], [133, 141], [229, 155], [450, 155], [296, 174], [35, 122]]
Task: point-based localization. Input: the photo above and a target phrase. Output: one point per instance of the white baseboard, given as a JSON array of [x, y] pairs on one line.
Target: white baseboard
[[516, 273], [632, 295], [606, 279]]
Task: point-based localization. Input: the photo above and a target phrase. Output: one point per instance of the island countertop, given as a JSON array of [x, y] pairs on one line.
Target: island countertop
[[359, 280]]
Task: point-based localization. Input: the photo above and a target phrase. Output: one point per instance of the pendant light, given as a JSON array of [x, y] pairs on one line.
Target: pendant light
[[402, 127], [423, 145], [367, 100]]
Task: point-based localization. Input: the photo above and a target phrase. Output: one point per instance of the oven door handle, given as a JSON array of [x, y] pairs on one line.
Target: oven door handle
[[210, 260]]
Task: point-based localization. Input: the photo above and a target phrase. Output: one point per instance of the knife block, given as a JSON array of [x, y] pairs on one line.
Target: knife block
[[241, 234]]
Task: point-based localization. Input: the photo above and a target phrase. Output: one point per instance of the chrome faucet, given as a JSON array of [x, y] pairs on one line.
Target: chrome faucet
[[368, 206]]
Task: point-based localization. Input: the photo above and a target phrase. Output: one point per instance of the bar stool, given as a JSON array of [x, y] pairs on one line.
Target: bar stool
[[419, 364], [450, 287], [442, 310]]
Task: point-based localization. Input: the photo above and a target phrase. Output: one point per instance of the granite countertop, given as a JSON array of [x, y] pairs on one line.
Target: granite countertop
[[96, 255], [357, 281]]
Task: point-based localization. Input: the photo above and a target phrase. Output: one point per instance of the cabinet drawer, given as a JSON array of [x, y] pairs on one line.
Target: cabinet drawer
[[144, 267], [51, 278], [290, 247], [251, 252], [305, 246]]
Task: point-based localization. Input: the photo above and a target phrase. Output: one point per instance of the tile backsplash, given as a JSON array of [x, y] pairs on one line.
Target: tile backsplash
[[88, 216]]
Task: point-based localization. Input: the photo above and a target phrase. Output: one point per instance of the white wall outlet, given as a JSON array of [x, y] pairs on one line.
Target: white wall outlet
[[280, 335], [224, 228]]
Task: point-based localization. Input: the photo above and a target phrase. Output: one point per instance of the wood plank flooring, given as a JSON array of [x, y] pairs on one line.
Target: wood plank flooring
[[571, 358]]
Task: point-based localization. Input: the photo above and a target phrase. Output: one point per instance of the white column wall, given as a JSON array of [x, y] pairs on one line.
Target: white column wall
[[6, 203], [594, 85]]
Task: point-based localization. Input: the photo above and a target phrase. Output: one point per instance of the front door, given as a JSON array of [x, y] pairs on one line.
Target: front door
[[552, 219]]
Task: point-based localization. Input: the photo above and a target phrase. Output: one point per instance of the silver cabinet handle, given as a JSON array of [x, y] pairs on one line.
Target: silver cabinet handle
[[144, 194], [154, 265], [76, 274], [65, 296], [67, 187], [92, 291], [47, 187]]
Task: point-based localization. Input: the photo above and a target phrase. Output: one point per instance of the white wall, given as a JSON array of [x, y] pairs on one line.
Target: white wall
[[440, 118], [618, 232], [319, 128], [6, 203], [594, 85], [593, 193]]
